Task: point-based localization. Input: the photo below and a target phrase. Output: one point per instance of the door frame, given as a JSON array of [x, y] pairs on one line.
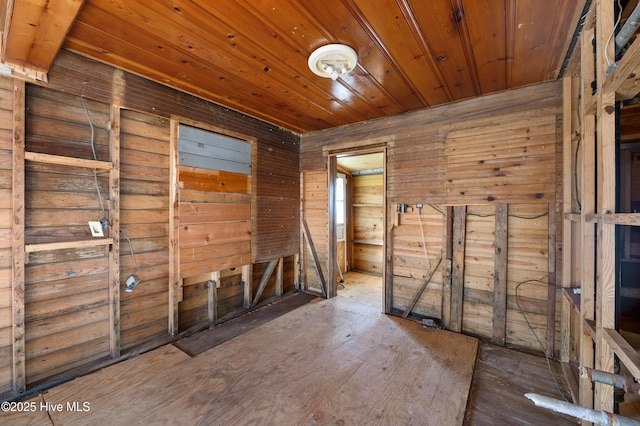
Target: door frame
[[332, 170]]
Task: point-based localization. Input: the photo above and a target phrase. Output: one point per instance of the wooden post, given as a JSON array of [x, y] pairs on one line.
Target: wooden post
[[568, 165], [296, 271], [331, 286], [114, 219], [457, 276], [388, 247], [212, 296], [174, 223], [500, 275], [551, 280], [247, 281], [279, 275], [587, 231], [18, 185], [447, 238], [606, 172]]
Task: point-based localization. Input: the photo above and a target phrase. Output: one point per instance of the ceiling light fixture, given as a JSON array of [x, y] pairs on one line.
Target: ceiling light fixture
[[333, 61]]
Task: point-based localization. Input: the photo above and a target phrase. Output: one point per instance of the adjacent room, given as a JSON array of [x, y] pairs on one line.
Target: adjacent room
[[304, 212]]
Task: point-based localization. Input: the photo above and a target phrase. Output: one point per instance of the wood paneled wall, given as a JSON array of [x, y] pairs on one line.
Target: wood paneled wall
[[144, 219], [73, 312], [315, 195], [6, 220], [368, 223], [504, 148]]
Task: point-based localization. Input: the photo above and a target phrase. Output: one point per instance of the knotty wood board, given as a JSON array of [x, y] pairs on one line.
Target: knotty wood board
[[310, 361]]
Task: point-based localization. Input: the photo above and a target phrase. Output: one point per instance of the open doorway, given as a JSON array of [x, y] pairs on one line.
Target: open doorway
[[359, 225]]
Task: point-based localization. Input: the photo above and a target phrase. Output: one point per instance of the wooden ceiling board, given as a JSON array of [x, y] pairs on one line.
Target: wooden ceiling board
[[251, 55]]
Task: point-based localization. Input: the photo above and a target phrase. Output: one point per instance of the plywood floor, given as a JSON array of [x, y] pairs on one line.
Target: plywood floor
[[338, 361]]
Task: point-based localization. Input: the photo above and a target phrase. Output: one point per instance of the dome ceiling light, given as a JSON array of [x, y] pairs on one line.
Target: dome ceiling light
[[333, 61]]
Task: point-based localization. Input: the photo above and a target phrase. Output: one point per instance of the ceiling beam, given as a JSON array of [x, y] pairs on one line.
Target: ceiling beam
[[33, 31]]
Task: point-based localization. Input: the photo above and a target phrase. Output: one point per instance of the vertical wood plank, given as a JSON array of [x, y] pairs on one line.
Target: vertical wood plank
[[212, 296], [606, 172], [587, 229], [567, 207], [296, 270], [388, 277], [551, 280], [447, 238], [279, 277], [457, 278], [114, 219], [332, 282], [175, 294], [500, 275], [18, 185], [247, 281]]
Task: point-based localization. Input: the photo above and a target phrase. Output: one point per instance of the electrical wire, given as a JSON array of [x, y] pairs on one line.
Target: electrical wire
[[95, 178], [133, 256], [553, 376], [613, 31], [95, 157]]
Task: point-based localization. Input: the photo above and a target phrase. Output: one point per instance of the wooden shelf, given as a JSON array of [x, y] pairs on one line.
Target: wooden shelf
[[30, 248], [67, 161], [368, 242], [366, 205]]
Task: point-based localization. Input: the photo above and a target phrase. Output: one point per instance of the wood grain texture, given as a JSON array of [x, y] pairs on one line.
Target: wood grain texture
[[381, 358]]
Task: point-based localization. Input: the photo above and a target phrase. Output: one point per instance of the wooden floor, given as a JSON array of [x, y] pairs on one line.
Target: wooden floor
[[336, 361]]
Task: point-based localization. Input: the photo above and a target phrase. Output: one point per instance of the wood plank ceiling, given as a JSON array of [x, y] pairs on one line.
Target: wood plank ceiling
[[251, 55]]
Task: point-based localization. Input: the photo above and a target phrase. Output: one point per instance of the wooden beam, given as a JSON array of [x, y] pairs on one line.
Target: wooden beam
[[31, 248], [587, 229], [279, 277], [606, 203], [425, 283], [247, 281], [627, 353], [500, 275], [568, 166], [624, 80], [447, 238], [264, 280], [457, 276], [34, 31], [332, 262], [18, 185], [316, 261], [212, 296], [114, 220], [37, 157], [296, 271], [175, 288], [551, 282]]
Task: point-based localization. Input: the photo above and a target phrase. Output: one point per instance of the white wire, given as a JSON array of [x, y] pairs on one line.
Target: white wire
[[95, 157], [606, 46]]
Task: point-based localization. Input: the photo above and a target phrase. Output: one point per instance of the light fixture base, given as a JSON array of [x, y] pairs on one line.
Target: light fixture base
[[332, 61]]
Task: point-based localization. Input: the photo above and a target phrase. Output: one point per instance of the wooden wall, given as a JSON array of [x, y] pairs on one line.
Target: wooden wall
[[314, 213], [498, 149], [144, 219], [368, 223], [6, 216], [75, 308]]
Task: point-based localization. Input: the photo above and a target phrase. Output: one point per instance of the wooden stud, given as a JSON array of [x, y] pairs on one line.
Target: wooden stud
[[264, 280], [114, 219], [425, 283], [551, 283], [296, 271], [606, 172], [247, 282], [316, 260], [500, 275], [447, 238], [457, 276], [587, 229], [331, 283], [212, 296], [174, 232], [18, 185], [279, 277], [567, 208]]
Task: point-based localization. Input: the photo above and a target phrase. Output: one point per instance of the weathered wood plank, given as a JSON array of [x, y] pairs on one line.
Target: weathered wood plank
[[500, 275], [458, 267]]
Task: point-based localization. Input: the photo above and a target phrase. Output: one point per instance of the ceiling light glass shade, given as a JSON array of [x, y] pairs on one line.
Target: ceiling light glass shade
[[333, 61]]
